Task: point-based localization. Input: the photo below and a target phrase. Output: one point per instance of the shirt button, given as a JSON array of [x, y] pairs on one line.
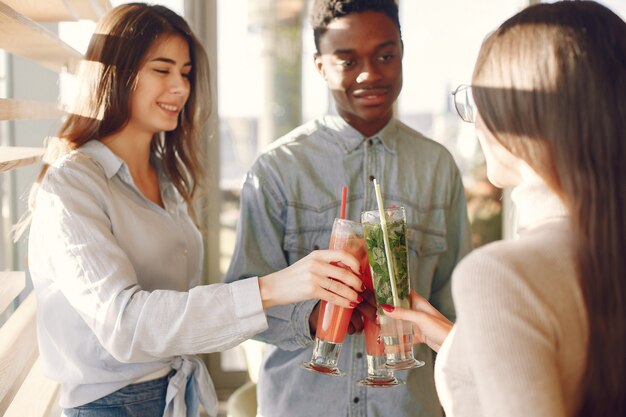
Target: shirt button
[[356, 400], [359, 355], [185, 251]]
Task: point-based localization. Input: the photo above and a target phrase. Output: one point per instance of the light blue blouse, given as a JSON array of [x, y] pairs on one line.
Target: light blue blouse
[[116, 278]]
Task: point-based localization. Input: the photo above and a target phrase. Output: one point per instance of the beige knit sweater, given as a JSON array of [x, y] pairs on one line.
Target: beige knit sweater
[[518, 346]]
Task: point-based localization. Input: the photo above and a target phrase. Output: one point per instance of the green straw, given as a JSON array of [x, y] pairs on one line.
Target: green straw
[[383, 225]]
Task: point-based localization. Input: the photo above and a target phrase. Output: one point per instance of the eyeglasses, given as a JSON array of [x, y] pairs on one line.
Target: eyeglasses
[[464, 103]]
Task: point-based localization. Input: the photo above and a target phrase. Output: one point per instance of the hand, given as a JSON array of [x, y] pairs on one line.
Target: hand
[[315, 313], [429, 325], [314, 277], [366, 308]]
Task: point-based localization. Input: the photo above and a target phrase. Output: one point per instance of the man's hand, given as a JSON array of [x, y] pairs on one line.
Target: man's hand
[[366, 308], [313, 320]]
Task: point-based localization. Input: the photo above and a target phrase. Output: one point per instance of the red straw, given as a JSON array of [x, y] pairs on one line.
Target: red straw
[[344, 196]]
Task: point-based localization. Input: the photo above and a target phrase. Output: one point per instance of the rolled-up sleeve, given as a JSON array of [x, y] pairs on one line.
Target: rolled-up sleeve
[[259, 251]]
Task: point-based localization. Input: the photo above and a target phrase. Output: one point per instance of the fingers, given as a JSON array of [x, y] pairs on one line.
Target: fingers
[[341, 289], [313, 319], [403, 314], [343, 296], [420, 303], [336, 256], [431, 329], [368, 307], [330, 284], [338, 273], [370, 298], [356, 321]]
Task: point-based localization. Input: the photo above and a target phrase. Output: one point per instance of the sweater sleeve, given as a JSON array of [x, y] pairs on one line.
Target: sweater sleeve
[[504, 327]]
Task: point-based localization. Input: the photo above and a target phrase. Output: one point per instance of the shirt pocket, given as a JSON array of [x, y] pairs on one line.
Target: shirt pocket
[[300, 243], [425, 244], [426, 240], [307, 229]]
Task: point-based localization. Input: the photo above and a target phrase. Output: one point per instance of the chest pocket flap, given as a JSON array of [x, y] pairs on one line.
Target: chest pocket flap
[[424, 243]]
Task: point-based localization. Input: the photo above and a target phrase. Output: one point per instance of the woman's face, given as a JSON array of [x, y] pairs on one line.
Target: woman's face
[[503, 168], [162, 86]]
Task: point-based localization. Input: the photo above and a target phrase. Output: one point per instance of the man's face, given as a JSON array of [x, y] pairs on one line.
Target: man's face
[[360, 56]]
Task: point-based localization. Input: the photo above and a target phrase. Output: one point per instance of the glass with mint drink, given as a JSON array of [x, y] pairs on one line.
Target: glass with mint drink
[[397, 335], [377, 256]]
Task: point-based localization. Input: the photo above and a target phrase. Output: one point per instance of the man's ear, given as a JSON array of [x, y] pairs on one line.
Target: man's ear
[[317, 60]]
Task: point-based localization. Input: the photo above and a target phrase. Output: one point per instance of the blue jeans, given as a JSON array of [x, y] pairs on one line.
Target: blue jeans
[[146, 399]]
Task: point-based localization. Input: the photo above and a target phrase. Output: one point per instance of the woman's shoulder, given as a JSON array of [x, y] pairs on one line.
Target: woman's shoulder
[[75, 169], [544, 254], [536, 264]]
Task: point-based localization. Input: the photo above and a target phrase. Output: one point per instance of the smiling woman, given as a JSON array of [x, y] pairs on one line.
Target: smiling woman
[[114, 253], [161, 90], [163, 80]]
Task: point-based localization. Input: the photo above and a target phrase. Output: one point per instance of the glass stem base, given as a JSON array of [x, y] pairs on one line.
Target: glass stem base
[[399, 354], [378, 375], [325, 358]]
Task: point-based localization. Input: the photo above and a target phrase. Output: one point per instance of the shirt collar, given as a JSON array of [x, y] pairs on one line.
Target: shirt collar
[[349, 139], [112, 164], [97, 150]]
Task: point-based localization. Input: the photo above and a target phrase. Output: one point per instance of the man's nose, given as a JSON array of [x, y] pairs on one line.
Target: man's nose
[[369, 73]]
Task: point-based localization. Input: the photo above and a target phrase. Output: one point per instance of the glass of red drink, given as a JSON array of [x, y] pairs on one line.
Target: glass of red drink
[[378, 374], [333, 321]]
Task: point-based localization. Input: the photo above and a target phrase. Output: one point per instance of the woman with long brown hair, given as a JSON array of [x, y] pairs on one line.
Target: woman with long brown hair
[[114, 254], [541, 320]]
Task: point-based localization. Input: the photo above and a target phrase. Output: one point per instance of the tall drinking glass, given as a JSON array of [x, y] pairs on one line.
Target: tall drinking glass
[[378, 375], [333, 321], [397, 334]]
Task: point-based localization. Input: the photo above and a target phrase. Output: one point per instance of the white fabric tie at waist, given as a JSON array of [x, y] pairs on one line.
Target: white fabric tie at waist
[[189, 386]]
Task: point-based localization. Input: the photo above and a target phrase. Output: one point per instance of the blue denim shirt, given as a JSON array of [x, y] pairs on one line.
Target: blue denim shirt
[[288, 202]]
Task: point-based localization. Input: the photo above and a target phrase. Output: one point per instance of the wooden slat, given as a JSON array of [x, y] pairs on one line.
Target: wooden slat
[[28, 110], [18, 348], [42, 11], [89, 9], [11, 284], [60, 10], [22, 36], [37, 396], [12, 157]]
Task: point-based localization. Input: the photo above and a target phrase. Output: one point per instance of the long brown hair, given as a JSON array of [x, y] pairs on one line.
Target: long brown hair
[[550, 84], [107, 78]]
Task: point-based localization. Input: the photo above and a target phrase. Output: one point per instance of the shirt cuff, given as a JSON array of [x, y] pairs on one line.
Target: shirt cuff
[[248, 306], [300, 319]]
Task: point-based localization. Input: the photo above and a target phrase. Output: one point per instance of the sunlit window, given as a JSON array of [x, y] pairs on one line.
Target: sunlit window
[[441, 43]]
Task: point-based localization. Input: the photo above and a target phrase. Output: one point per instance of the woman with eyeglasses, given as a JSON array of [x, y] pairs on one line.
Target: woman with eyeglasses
[[541, 320]]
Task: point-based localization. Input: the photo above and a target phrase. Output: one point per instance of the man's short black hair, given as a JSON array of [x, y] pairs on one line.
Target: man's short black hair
[[324, 11]]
